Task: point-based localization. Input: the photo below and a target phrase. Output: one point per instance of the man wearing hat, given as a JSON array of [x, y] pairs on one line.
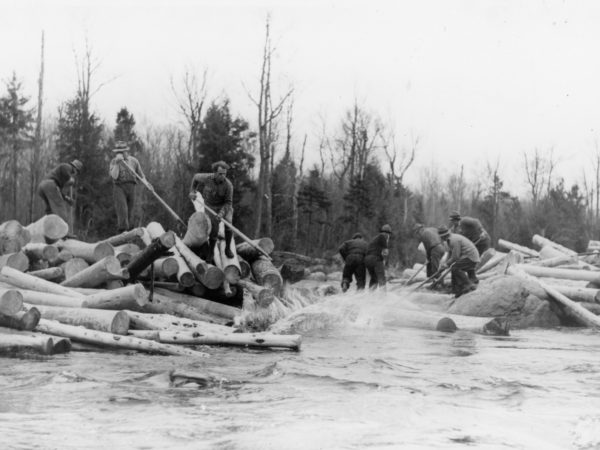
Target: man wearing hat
[[123, 169], [472, 229], [51, 188], [434, 249], [376, 251], [353, 251], [462, 257]]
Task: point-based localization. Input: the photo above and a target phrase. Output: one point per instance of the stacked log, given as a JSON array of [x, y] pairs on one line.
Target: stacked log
[[90, 252], [13, 237], [97, 274], [48, 229], [16, 260], [267, 275]]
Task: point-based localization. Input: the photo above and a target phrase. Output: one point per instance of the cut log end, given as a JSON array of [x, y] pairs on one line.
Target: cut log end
[[11, 302], [102, 250], [120, 323], [213, 277], [167, 239], [186, 279], [265, 298], [232, 274], [170, 266]]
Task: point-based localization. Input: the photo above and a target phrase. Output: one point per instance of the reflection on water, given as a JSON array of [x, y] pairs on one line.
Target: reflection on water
[[356, 384]]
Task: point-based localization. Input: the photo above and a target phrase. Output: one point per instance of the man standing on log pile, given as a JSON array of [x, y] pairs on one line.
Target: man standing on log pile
[[217, 191], [353, 251], [462, 257], [123, 169], [51, 188], [376, 251], [472, 229], [434, 249]]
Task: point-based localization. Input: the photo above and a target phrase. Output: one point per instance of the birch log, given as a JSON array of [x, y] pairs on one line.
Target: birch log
[[26, 281], [51, 227], [262, 295], [125, 237], [145, 321], [51, 273], [116, 322], [133, 296], [13, 237], [90, 252], [104, 270], [48, 299], [267, 340], [17, 261]]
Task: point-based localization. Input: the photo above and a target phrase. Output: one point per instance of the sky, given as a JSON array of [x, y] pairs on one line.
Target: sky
[[478, 82]]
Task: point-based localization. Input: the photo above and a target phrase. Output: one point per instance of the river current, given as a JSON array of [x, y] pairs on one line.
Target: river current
[[358, 382]]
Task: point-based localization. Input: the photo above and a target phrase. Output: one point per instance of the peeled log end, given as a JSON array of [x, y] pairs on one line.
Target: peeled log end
[[54, 227], [102, 250], [17, 261], [11, 302], [61, 345], [265, 298], [29, 319], [497, 327], [120, 323], [213, 277]]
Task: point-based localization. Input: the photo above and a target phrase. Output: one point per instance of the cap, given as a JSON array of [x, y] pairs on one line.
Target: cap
[[357, 235], [455, 215], [120, 146], [417, 227], [443, 231], [77, 165], [386, 229]]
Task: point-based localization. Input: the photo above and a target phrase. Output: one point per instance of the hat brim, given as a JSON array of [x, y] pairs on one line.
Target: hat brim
[[119, 150]]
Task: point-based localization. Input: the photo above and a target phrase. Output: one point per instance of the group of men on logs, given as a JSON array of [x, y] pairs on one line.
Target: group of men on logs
[[464, 240], [125, 171]]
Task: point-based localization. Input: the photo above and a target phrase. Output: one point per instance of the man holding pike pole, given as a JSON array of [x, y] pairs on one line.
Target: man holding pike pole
[[434, 249], [472, 229], [217, 192], [462, 258]]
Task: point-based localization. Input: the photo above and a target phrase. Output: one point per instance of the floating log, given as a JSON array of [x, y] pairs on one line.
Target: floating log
[[22, 320], [157, 248], [268, 340], [104, 270], [165, 304], [48, 299], [165, 267], [145, 321], [201, 304], [13, 237], [267, 275], [59, 344], [101, 338], [17, 261], [250, 253], [90, 252], [566, 274], [73, 266], [198, 230], [38, 250], [518, 248], [116, 322], [263, 295], [578, 294], [26, 281], [230, 266], [133, 296], [185, 276], [13, 343], [50, 227], [51, 273], [125, 237], [11, 301]]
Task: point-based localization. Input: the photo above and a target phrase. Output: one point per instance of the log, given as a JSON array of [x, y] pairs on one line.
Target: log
[[116, 322], [13, 343], [17, 261], [583, 315], [262, 295], [250, 253], [84, 335], [73, 266], [541, 242], [11, 301], [518, 248], [104, 270], [267, 340], [114, 284], [165, 267], [26, 281], [22, 320], [292, 272], [62, 257], [197, 290], [185, 276], [90, 252], [245, 269], [38, 250], [133, 296], [125, 237], [593, 246], [492, 262], [203, 305], [230, 266], [59, 344], [198, 229], [145, 334], [566, 274], [50, 227], [157, 248], [165, 304], [267, 275], [145, 321], [48, 299], [13, 237], [578, 294], [51, 273], [556, 261], [125, 253]]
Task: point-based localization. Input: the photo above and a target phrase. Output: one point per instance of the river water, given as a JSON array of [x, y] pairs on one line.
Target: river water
[[358, 382]]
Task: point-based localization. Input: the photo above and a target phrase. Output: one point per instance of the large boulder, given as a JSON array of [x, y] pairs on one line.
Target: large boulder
[[522, 303]]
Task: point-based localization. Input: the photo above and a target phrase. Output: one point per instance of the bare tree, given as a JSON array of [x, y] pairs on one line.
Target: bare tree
[[399, 160], [34, 171], [538, 170]]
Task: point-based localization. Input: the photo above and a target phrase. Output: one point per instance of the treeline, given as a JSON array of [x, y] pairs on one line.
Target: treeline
[[357, 185]]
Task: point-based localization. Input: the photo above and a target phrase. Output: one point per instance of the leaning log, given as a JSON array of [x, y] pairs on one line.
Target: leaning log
[[51, 273], [17, 261], [198, 230], [90, 252], [267, 275], [492, 262], [267, 340], [250, 253], [245, 269], [51, 227], [125, 253], [26, 281], [518, 248], [62, 257], [11, 301], [104, 270], [38, 250], [84, 335], [145, 321], [13, 237], [262, 295], [133, 296], [201, 304], [209, 275], [13, 343], [48, 299], [185, 276], [565, 274], [230, 266], [156, 249], [125, 237], [165, 267], [578, 294], [73, 266], [22, 320], [116, 322], [165, 304]]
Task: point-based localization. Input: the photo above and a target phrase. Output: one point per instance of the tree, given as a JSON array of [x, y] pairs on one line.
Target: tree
[[313, 202]]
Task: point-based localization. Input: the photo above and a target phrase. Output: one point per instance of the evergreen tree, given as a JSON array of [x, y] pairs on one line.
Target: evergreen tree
[[314, 203]]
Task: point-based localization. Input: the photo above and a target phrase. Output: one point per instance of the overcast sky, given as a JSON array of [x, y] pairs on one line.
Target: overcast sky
[[477, 81]]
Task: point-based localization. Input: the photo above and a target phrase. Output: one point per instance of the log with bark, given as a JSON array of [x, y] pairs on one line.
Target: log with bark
[[50, 228], [267, 275], [104, 339], [55, 274], [125, 237], [133, 296], [38, 250], [17, 261], [97, 274], [13, 237], [250, 253], [22, 320], [90, 252], [146, 321], [116, 322], [262, 295], [203, 305], [156, 248]]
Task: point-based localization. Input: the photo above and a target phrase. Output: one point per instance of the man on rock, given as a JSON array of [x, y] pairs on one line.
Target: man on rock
[[353, 251], [376, 251], [434, 249], [123, 169], [472, 229], [51, 188], [217, 191], [462, 257]]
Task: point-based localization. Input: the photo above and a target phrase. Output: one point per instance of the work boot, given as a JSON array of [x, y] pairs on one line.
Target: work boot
[[228, 239], [211, 250], [345, 285]]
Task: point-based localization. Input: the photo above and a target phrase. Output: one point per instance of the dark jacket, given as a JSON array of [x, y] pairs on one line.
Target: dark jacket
[[353, 247], [62, 175], [430, 239], [216, 195], [470, 228], [377, 245]]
